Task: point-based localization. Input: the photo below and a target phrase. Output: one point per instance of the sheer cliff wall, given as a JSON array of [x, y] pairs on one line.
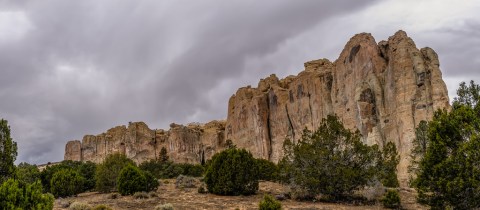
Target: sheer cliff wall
[[382, 89]]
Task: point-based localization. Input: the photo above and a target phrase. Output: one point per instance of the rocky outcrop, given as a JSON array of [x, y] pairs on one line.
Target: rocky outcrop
[[384, 90], [191, 144]]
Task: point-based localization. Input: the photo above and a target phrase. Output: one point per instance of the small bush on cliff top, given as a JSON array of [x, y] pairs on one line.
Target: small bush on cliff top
[[232, 172]]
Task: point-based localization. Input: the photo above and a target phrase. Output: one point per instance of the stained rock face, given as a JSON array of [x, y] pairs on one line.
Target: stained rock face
[[191, 144], [384, 90]]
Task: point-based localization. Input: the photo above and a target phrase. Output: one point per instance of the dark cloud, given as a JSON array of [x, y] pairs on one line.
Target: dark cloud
[[82, 67]]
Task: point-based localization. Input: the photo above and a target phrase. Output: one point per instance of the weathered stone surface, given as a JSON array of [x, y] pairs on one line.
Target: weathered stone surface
[[384, 90], [191, 144]]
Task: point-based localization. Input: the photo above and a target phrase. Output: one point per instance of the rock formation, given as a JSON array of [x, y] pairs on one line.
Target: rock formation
[[192, 144], [384, 90]]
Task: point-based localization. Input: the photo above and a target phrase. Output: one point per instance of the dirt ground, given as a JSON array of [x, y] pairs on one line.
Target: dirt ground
[[189, 198]]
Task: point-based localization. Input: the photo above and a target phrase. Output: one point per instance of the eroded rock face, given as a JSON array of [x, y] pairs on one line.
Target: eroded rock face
[[384, 90], [189, 144]]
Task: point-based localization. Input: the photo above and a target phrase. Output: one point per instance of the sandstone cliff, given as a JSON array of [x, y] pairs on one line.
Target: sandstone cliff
[[383, 89], [192, 144]]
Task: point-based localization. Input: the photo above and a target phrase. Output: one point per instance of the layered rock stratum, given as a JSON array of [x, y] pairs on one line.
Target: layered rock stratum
[[382, 89]]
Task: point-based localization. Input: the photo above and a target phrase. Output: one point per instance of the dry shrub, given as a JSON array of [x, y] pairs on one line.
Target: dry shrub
[[185, 182], [102, 207], [166, 206], [114, 196], [80, 206], [141, 195]]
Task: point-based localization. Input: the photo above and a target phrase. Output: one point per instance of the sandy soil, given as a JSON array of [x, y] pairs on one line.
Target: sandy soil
[[189, 198]]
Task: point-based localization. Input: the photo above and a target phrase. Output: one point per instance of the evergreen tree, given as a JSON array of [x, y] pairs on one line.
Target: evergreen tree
[[331, 161], [8, 152], [163, 155], [131, 180], [106, 174], [387, 165], [27, 173], [232, 172], [448, 175], [67, 182]]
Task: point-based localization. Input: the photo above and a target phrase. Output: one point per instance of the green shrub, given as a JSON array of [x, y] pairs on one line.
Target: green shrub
[[86, 170], [131, 180], [267, 170], [162, 170], [195, 170], [232, 172], [141, 195], [80, 206], [102, 207], [167, 169], [66, 182], [269, 203], [151, 182], [166, 206], [27, 173], [391, 200], [331, 161], [106, 174], [16, 195]]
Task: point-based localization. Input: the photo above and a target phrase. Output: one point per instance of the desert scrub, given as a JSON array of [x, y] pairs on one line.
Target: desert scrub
[[185, 182], [152, 194], [202, 189], [269, 203], [80, 206], [391, 199], [114, 196], [141, 195], [166, 206], [102, 207]]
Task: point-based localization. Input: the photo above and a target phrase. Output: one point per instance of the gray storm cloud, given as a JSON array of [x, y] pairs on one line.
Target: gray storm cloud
[[70, 68]]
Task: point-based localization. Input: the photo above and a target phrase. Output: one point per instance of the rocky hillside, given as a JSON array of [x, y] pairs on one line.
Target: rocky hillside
[[382, 89]]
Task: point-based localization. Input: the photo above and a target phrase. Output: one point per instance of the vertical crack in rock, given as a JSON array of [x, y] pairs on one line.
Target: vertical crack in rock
[[291, 131], [269, 129], [311, 110]]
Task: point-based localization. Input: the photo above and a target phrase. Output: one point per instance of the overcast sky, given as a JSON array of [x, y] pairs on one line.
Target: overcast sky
[[70, 68]]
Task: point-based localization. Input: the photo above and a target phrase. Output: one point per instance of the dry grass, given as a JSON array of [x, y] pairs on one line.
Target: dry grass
[[189, 198]]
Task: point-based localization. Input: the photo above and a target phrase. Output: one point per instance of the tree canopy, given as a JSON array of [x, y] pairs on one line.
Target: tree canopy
[[448, 174], [8, 152]]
